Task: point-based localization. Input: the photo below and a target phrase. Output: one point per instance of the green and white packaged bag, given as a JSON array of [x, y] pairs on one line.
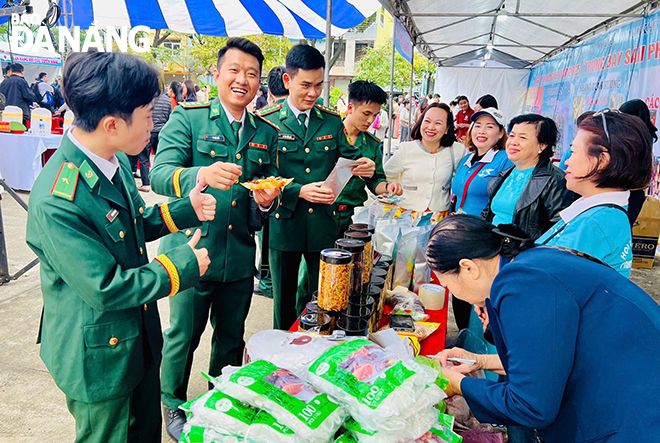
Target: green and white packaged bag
[[377, 388], [220, 412], [441, 432], [199, 434], [418, 422], [266, 429], [312, 415]]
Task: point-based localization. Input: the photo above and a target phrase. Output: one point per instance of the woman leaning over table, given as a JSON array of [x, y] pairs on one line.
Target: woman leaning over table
[[610, 155], [579, 355], [531, 193], [425, 165]]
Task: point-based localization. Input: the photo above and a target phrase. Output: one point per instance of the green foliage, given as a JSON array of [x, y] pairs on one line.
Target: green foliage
[[334, 96], [376, 67]]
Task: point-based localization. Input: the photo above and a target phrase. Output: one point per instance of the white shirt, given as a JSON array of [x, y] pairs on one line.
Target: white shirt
[[297, 112], [107, 167], [232, 119], [582, 204], [425, 177]]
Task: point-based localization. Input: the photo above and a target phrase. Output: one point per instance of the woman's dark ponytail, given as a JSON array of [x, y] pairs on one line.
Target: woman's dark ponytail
[[464, 236]]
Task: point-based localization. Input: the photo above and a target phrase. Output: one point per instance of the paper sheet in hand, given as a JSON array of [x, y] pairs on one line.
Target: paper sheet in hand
[[340, 176]]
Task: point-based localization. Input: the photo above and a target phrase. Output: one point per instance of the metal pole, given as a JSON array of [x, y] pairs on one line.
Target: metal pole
[[390, 130], [9, 32], [4, 266], [412, 72], [328, 54]]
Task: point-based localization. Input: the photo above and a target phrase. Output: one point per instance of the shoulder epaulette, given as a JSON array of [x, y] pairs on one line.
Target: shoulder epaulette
[[373, 136], [270, 123], [269, 109], [328, 110], [195, 105], [66, 182]]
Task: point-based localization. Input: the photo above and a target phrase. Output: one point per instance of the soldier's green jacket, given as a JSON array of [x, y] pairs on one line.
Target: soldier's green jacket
[[99, 288], [298, 225], [354, 193], [199, 134]]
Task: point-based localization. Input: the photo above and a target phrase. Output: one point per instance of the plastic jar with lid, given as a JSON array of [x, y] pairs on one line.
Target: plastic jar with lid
[[362, 227], [368, 253], [356, 248], [335, 279]]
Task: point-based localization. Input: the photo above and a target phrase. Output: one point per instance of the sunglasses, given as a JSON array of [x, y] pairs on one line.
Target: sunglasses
[[601, 114]]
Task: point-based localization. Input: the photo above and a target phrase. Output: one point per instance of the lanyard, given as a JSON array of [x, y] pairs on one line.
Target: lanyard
[[467, 183], [558, 231]]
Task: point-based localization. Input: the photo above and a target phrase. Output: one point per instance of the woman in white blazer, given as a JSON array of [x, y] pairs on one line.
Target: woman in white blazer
[[426, 165]]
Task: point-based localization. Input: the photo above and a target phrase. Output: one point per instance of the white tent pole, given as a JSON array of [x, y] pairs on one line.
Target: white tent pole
[[412, 71], [328, 54], [391, 126]]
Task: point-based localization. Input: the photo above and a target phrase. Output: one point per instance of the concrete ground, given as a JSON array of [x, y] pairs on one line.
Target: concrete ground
[[33, 408]]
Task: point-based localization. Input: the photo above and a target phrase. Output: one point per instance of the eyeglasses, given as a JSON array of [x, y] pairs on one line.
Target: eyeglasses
[[602, 113]]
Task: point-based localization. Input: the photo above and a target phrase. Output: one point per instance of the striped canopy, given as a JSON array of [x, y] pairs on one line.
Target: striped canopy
[[290, 18]]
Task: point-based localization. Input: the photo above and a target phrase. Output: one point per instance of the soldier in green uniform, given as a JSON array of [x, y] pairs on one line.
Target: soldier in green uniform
[[222, 143], [365, 100], [100, 330], [311, 140]]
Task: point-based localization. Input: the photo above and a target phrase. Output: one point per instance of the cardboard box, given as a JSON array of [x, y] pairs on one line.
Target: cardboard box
[[645, 234]]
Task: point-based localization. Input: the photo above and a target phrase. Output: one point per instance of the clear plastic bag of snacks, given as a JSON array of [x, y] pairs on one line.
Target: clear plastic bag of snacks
[[295, 404], [377, 388], [441, 432], [266, 429], [293, 351], [220, 412]]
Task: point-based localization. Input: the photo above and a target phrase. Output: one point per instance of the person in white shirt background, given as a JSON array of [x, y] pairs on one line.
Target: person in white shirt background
[[426, 165]]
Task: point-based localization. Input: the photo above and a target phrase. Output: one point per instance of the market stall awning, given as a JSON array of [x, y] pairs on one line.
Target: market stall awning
[[513, 33], [290, 18]]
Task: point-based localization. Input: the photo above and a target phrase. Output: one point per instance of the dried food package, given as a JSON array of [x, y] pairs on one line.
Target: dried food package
[[377, 388], [417, 424], [405, 257], [266, 429], [312, 415], [200, 434], [221, 412], [292, 351]]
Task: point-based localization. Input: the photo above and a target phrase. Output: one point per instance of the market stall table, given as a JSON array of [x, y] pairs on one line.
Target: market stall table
[[20, 157]]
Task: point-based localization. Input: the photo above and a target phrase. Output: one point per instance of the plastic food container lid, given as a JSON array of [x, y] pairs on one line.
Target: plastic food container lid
[[362, 227], [359, 235], [377, 281], [336, 256], [350, 244]]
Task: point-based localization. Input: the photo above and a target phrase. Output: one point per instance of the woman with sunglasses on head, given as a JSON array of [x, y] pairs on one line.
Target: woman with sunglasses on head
[[531, 193], [610, 155], [579, 355]]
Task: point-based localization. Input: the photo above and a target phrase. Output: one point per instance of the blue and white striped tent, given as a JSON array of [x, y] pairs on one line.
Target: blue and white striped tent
[[290, 18]]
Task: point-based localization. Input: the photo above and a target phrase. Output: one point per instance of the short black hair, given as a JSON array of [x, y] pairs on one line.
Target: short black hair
[[436, 95], [453, 103], [449, 138], [17, 67], [546, 131], [304, 57], [461, 97], [177, 90], [42, 75], [487, 101], [275, 82], [638, 108], [243, 45], [99, 84], [629, 147], [363, 91]]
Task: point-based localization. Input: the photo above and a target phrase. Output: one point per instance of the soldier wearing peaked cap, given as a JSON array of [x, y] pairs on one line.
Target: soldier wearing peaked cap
[[100, 331], [311, 140], [224, 144]]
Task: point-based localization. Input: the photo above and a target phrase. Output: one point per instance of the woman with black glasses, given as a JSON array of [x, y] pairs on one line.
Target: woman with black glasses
[[610, 155]]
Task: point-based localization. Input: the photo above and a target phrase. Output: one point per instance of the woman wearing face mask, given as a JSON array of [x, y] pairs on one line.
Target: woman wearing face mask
[[425, 166], [532, 192], [486, 141], [578, 345], [610, 155]]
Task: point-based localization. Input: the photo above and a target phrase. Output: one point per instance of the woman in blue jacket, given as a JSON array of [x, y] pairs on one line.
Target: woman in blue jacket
[[610, 155], [579, 345], [486, 141]]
